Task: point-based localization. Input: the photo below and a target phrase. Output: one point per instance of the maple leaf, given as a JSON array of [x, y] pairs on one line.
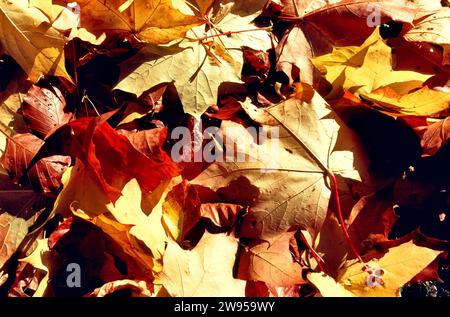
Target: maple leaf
[[271, 263], [362, 68], [206, 270], [198, 67], [399, 265], [151, 21], [24, 29], [422, 102], [109, 156], [290, 188]]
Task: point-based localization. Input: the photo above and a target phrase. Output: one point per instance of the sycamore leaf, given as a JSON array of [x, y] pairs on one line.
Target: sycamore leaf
[[26, 35], [399, 265], [271, 263], [288, 172], [150, 21], [206, 270], [197, 68], [362, 69], [12, 231]]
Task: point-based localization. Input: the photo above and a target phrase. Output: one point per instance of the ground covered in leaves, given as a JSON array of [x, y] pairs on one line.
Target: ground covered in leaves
[[130, 165]]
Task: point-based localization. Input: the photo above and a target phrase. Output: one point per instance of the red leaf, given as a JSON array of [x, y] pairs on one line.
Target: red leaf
[[110, 156]]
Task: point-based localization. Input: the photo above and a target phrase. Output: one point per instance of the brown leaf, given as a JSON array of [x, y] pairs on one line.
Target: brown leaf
[[287, 172], [12, 231], [328, 19], [294, 53], [151, 21], [271, 263], [435, 136], [43, 109], [45, 174]]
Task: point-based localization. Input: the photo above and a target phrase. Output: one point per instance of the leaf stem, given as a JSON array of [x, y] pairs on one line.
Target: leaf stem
[[319, 259], [340, 216]]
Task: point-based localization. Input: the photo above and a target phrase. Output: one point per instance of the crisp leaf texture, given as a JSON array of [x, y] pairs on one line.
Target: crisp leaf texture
[[312, 142]]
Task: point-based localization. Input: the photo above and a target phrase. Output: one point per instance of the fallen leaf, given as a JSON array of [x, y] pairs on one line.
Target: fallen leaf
[[360, 18], [362, 69], [305, 142], [44, 175], [327, 286], [422, 102], [399, 265], [137, 288], [206, 270], [27, 29], [294, 53], [12, 231], [43, 109], [435, 136], [271, 263], [151, 21], [198, 67], [110, 157]]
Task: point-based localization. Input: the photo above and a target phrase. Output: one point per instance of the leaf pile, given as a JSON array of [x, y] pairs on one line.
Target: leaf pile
[[343, 190]]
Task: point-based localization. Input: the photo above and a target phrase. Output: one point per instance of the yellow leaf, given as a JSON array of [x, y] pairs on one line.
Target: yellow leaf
[[197, 68], [206, 270], [399, 265], [362, 69], [152, 21], [422, 102], [26, 35], [80, 191], [40, 259], [327, 286]]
